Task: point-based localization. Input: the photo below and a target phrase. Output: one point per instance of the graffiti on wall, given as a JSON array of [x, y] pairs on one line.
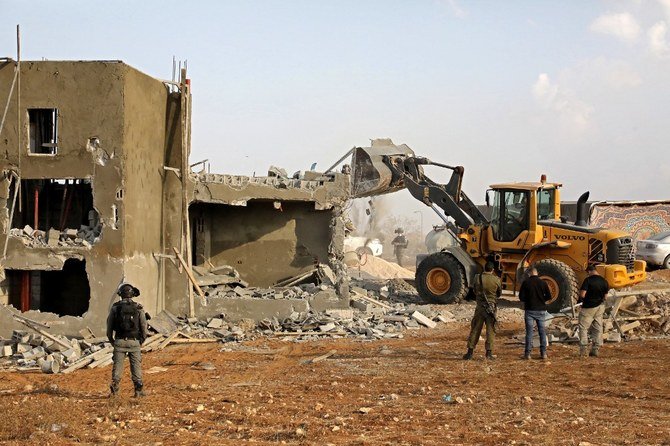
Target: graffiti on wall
[[639, 219]]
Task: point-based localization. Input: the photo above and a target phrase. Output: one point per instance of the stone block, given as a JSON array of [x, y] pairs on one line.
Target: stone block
[[243, 292], [327, 327], [28, 230], [34, 354], [361, 305], [20, 336], [6, 350], [423, 320], [53, 237], [215, 323], [343, 314], [614, 336], [35, 340], [70, 355], [22, 347]]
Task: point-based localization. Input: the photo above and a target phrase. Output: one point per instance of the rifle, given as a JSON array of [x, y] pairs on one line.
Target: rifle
[[490, 308]]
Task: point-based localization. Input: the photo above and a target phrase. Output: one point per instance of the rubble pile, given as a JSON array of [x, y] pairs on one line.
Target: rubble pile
[[225, 282], [53, 354], [84, 236], [638, 316], [367, 318]]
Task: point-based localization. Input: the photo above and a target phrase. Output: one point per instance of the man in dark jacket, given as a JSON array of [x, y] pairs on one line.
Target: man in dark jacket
[[127, 330], [592, 296], [535, 294]]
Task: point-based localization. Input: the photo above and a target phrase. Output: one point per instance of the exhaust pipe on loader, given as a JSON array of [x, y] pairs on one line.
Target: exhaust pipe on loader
[[581, 209], [370, 175]]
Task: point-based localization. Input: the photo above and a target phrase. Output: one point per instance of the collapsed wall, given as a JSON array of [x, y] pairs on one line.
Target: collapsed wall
[[90, 200], [268, 230]]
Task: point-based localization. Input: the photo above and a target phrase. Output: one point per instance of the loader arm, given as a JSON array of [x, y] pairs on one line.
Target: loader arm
[[448, 197]]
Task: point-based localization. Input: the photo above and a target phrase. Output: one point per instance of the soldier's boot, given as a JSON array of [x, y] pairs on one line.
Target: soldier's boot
[[139, 392], [583, 351], [526, 356], [468, 355], [543, 354], [594, 351], [114, 388], [490, 355]]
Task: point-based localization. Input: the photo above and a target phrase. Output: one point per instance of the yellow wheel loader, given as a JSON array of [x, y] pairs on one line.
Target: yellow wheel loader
[[525, 228]]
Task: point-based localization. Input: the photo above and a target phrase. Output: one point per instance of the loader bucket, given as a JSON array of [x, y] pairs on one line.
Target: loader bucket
[[370, 176]]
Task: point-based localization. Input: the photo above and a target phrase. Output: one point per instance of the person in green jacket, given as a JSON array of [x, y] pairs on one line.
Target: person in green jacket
[[488, 289]]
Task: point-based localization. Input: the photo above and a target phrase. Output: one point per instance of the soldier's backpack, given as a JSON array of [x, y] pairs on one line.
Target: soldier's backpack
[[127, 320]]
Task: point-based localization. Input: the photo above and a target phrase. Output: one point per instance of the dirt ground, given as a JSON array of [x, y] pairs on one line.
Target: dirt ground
[[388, 392]]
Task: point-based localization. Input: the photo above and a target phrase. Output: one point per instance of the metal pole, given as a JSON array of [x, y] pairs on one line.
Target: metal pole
[[17, 186], [25, 291], [18, 106], [9, 98], [340, 160], [36, 208], [185, 229]]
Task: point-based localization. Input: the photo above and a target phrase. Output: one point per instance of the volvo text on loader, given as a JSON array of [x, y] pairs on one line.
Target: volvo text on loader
[[525, 228]]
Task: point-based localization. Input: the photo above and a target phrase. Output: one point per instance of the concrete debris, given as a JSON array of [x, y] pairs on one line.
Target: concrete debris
[[274, 171], [423, 320], [49, 356], [84, 236], [638, 317]]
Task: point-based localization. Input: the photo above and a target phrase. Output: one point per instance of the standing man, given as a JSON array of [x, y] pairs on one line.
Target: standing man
[[487, 291], [127, 330], [592, 295], [399, 245], [535, 294]]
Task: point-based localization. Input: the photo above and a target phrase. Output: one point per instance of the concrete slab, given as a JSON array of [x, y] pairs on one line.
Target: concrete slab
[[237, 309]]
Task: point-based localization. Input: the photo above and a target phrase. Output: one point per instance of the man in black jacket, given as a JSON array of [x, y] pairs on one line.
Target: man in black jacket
[[592, 296], [535, 294], [127, 330]]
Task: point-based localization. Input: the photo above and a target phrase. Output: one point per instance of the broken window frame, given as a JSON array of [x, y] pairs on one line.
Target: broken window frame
[[50, 147]]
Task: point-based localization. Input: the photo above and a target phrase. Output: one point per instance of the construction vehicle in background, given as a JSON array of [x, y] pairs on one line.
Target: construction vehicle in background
[[525, 228]]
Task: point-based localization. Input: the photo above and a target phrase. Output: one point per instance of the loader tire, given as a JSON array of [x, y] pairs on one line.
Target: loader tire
[[562, 283], [440, 279]]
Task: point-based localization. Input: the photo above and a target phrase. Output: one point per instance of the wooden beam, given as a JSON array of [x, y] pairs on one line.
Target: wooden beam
[[42, 332], [321, 358], [371, 300], [189, 273]]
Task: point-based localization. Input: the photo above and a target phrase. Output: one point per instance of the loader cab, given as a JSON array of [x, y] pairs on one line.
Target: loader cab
[[510, 214], [517, 209]]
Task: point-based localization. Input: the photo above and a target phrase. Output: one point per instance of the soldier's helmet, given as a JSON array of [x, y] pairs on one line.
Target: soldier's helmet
[[399, 231], [127, 291]]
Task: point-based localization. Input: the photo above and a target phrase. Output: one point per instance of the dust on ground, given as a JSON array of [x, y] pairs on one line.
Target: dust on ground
[[388, 392]]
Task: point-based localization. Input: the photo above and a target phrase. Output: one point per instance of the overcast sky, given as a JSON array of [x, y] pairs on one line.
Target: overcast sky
[[579, 90]]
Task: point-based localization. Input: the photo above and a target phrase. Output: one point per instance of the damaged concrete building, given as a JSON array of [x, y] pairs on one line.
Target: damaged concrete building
[[91, 160]]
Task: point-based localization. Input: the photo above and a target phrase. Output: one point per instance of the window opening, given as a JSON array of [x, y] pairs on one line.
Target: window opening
[[510, 214], [56, 212], [43, 130], [545, 204], [65, 292]]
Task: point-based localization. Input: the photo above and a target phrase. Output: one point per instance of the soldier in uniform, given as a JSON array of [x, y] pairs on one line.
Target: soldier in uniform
[[127, 330], [487, 291], [399, 245]]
